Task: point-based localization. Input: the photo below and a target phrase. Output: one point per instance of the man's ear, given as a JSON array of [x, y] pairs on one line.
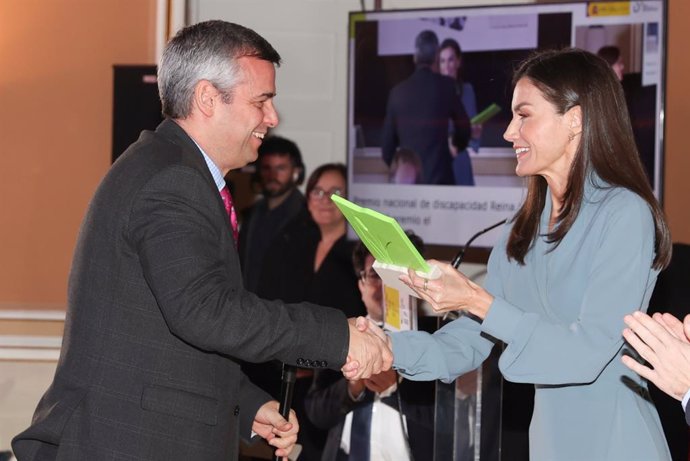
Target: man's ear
[[205, 97]]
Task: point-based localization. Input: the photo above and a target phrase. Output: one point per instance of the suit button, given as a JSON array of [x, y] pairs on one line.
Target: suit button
[[324, 364], [237, 410], [300, 362], [308, 363]]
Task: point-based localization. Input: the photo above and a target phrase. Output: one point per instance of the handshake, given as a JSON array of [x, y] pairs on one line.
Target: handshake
[[370, 351]]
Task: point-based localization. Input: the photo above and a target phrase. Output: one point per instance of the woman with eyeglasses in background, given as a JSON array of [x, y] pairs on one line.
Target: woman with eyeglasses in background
[[311, 260]]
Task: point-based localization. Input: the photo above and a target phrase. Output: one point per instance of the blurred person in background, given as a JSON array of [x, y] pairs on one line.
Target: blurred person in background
[[279, 172], [406, 167], [385, 417], [310, 260], [612, 55]]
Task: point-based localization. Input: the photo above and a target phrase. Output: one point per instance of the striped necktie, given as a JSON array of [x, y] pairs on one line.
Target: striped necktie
[[230, 210]]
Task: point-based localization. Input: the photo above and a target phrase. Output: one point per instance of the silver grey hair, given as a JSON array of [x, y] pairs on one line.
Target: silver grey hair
[[206, 51]]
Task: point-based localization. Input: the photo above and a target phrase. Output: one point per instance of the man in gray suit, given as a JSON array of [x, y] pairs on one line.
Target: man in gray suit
[[158, 316]]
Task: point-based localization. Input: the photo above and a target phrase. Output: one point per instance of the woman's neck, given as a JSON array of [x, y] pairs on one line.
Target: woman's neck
[[333, 232], [556, 204]]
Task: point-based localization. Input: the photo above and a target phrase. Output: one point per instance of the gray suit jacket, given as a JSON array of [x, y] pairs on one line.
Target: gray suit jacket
[[157, 316]]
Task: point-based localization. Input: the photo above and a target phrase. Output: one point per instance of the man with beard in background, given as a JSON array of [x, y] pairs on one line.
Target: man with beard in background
[[279, 170]]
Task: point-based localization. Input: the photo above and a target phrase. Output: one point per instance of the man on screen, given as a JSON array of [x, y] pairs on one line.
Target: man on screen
[[418, 113]]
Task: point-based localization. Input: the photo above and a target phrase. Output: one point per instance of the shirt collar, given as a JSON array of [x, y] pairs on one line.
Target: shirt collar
[[215, 171]]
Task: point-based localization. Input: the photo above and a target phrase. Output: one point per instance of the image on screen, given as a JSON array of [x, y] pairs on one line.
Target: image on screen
[[425, 142]]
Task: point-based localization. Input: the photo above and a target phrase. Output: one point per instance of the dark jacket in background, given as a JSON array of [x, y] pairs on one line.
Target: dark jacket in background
[[328, 402], [288, 269], [417, 115], [288, 274], [260, 226]]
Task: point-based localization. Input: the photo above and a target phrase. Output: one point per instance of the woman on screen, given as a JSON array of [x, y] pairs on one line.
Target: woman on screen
[[450, 65], [583, 250]]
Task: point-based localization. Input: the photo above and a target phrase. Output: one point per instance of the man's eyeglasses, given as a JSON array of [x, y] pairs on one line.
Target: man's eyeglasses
[[370, 276], [317, 193]]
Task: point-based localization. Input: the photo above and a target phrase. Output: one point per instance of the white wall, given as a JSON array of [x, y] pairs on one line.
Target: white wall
[[311, 36], [22, 383]]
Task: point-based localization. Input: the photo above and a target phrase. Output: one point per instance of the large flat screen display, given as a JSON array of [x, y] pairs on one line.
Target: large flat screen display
[[481, 188]]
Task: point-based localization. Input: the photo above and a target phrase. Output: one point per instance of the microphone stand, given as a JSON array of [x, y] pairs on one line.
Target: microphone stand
[[286, 389], [461, 254]]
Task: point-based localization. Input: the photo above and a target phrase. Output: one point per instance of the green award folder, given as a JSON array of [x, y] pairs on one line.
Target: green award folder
[[486, 114], [387, 242], [382, 235]]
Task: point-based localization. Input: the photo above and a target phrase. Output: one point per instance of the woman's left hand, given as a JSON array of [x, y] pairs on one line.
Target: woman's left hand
[[452, 291]]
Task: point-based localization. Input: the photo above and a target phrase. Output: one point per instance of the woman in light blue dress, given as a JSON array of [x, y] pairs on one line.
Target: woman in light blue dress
[[450, 65], [584, 250]]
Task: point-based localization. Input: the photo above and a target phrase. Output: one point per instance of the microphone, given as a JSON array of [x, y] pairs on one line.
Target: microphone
[[461, 254], [287, 387]]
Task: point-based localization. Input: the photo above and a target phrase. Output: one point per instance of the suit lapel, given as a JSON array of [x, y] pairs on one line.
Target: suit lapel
[[172, 132]]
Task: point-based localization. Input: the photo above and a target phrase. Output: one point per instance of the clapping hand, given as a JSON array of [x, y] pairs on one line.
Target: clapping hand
[[663, 341], [370, 350]]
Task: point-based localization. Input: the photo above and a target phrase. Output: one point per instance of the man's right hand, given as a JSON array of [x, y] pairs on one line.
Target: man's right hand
[[369, 352]]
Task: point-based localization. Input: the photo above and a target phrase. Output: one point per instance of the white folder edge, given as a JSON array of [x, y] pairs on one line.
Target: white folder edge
[[389, 274]]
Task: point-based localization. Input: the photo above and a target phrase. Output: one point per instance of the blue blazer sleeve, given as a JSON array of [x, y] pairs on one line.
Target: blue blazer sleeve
[[453, 350], [613, 279]]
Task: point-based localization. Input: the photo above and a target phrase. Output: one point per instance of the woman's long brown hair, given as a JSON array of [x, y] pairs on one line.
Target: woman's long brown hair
[[569, 78]]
